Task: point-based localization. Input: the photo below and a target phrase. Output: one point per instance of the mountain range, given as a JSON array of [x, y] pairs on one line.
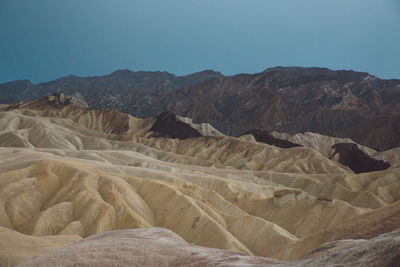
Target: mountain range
[[343, 103]]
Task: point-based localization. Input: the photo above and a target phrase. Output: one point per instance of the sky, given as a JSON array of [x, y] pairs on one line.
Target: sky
[[42, 40]]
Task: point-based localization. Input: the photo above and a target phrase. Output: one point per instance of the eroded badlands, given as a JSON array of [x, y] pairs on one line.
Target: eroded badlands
[[69, 172]]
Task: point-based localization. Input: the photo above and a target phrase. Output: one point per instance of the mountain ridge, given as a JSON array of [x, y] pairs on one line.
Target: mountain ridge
[[342, 103]]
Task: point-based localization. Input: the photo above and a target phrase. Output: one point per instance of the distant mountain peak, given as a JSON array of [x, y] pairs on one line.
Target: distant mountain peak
[[317, 71], [298, 69]]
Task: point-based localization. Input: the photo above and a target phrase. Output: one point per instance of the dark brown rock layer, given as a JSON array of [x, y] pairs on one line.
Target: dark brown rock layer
[[265, 137], [357, 160], [167, 125]]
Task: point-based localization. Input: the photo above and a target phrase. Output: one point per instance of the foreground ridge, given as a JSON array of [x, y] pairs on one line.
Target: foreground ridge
[[161, 247]]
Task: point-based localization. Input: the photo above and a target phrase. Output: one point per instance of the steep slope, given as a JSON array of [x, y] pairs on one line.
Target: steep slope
[[205, 129], [358, 161], [393, 156], [366, 226], [168, 125]]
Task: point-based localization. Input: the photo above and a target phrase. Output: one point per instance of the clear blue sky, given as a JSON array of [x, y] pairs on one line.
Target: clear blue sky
[[45, 39]]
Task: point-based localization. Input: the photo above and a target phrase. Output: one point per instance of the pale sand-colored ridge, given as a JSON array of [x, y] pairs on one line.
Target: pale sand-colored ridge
[[324, 143], [161, 247]]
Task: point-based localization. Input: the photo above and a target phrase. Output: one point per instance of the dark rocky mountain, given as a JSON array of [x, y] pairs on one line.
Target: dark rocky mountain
[[286, 99], [167, 125], [267, 138], [357, 160]]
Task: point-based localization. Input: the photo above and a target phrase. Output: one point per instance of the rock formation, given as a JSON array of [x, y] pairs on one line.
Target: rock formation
[[168, 125], [358, 161], [265, 137]]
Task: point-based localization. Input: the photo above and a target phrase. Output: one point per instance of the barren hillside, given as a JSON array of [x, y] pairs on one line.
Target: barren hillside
[[68, 172]]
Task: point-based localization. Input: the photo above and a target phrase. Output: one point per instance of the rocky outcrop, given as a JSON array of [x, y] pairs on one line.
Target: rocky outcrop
[[357, 160], [64, 100], [265, 137], [168, 125], [205, 129]]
